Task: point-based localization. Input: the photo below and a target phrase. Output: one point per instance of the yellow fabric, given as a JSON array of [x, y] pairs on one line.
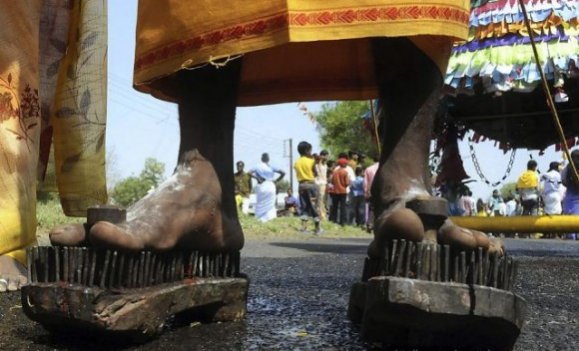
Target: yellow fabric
[[293, 49], [79, 116], [19, 255], [19, 122], [45, 71], [529, 179], [238, 200], [304, 168]]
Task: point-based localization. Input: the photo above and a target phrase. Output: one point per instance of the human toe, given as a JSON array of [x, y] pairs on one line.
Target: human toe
[[67, 235]]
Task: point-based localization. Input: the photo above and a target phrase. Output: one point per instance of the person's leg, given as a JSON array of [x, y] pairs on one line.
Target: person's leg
[[409, 85], [343, 209], [333, 208], [195, 208], [314, 193], [322, 202], [19, 136], [360, 206]]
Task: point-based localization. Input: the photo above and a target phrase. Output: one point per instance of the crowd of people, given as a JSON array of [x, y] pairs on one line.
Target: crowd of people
[[336, 190], [554, 192]]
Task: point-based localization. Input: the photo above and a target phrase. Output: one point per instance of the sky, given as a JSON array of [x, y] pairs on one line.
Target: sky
[[140, 126]]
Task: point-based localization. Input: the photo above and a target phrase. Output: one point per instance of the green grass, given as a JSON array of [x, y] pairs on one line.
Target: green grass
[[49, 214], [290, 228]]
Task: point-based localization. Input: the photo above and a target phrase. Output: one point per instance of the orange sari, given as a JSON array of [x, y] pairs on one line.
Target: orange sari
[[294, 50]]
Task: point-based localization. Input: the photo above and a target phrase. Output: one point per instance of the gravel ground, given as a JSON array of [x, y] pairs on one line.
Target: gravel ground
[[298, 298]]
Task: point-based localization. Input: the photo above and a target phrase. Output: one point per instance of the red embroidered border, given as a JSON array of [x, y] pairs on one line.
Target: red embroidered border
[[390, 13]]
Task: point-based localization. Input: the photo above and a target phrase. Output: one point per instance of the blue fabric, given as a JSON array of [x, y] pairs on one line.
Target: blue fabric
[[357, 186]]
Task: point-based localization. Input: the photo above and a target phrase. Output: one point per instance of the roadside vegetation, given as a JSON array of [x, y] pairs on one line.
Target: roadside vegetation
[[49, 214], [338, 134]]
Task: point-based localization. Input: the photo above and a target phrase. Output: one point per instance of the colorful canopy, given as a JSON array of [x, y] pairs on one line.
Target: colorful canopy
[[498, 55]]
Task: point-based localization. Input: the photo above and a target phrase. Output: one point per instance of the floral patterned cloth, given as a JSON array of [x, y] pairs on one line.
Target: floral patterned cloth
[[52, 92]]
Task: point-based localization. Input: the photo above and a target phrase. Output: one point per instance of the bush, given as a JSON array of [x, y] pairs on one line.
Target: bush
[[131, 189]]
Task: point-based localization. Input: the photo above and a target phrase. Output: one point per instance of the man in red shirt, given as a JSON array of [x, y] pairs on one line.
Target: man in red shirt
[[340, 182]]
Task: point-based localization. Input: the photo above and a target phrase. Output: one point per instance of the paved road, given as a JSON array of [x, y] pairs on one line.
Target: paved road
[[298, 298]]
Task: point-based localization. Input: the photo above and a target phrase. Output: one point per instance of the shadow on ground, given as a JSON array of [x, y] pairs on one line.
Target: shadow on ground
[[349, 247]]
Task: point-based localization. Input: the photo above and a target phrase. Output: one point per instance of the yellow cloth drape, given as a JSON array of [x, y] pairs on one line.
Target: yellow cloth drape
[[294, 49], [52, 65], [79, 115]]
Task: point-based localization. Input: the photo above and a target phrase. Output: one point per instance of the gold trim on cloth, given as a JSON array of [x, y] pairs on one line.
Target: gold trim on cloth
[[294, 49]]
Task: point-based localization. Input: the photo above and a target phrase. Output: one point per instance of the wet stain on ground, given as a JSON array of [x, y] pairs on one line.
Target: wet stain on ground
[[299, 303]]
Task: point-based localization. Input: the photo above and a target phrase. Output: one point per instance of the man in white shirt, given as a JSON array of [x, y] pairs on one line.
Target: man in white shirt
[[551, 193]]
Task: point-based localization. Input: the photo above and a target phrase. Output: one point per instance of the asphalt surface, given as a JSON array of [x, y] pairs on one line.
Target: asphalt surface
[[298, 298]]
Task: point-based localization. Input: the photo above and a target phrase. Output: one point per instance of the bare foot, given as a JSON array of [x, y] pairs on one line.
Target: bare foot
[[403, 223], [183, 212], [12, 274]]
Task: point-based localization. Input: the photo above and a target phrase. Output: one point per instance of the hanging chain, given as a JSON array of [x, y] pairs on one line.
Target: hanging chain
[[479, 170]]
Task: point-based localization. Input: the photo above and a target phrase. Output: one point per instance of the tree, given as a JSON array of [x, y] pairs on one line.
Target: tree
[[508, 190], [282, 186], [342, 128], [153, 171], [131, 189]]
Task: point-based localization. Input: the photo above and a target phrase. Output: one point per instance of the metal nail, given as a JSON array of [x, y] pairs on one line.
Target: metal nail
[[105, 269], [93, 260], [393, 257], [45, 264], [434, 262], [65, 264], [86, 266], [446, 249], [480, 266], [147, 268], [408, 258], [57, 264], [426, 262], [485, 276], [495, 262], [419, 253], [463, 267], [472, 267], [399, 257], [455, 269], [113, 269]]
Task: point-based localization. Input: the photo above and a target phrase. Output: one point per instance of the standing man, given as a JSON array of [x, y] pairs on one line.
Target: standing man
[[341, 182], [242, 187], [308, 189], [265, 190], [357, 199], [369, 174], [552, 192], [495, 204], [321, 169], [528, 187]]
